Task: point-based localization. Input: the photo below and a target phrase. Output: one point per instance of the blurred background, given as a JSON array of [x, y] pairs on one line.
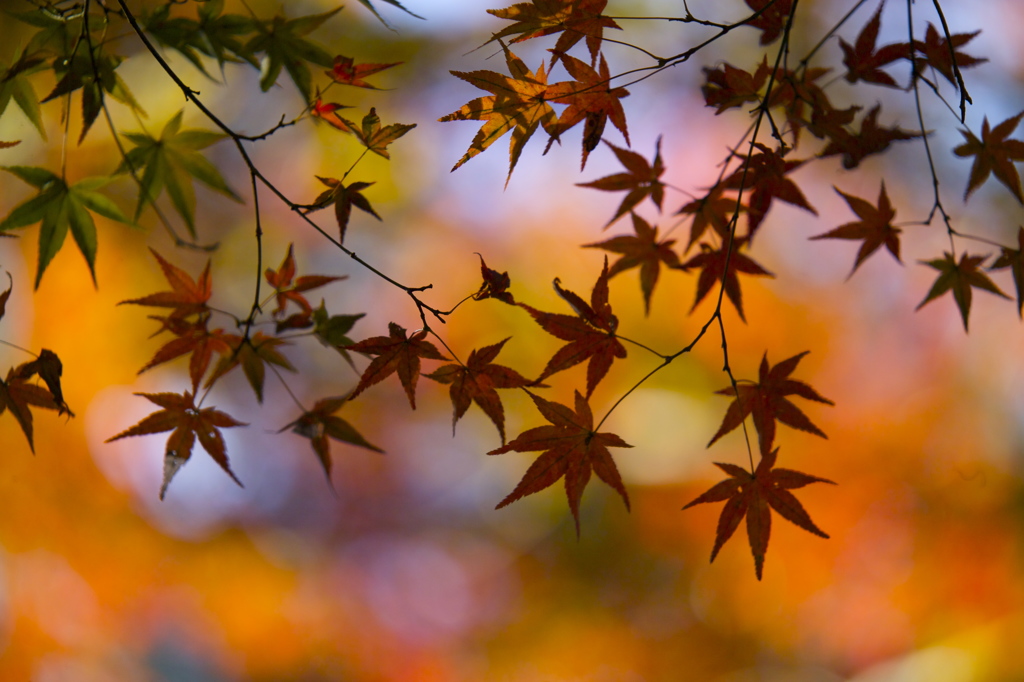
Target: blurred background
[[406, 571]]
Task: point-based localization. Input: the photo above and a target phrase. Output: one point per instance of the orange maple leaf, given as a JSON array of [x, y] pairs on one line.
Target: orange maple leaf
[[187, 422], [640, 181], [874, 227], [187, 296], [959, 278], [320, 423], [376, 138], [395, 353], [754, 496], [191, 338], [519, 104], [476, 381], [994, 154], [641, 250], [767, 402], [591, 335], [571, 448], [328, 112], [574, 19], [287, 290]]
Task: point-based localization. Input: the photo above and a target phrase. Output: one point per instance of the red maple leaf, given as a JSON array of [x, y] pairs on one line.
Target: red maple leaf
[[712, 210], [959, 278], [1012, 258], [344, 198], [187, 422], [767, 402], [495, 285], [591, 99], [754, 496], [17, 394], [571, 448], [187, 296], [874, 227], [712, 264], [871, 139], [328, 112], [320, 423], [476, 381], [395, 353], [641, 180], [285, 289], [727, 87], [994, 154], [864, 61], [772, 18], [346, 72], [939, 55], [591, 334], [642, 250], [191, 338], [765, 177]]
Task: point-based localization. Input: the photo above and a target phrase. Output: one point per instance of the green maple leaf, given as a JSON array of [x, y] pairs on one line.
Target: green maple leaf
[[61, 207], [284, 47], [15, 84], [214, 34], [172, 161]]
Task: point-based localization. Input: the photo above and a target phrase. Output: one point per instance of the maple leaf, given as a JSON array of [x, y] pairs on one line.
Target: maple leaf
[[571, 449], [640, 181], [939, 54], [728, 87], [712, 210], [171, 162], [495, 285], [214, 34], [285, 289], [591, 335], [754, 496], [191, 338], [765, 178], [872, 139], [394, 3], [284, 46], [477, 381], [772, 18], [994, 154], [331, 330], [16, 395], [320, 423], [874, 227], [346, 72], [328, 112], [15, 84], [375, 138], [959, 277], [343, 198], [767, 402], [186, 421], [519, 104], [49, 368], [641, 250], [253, 355], [6, 295], [712, 264], [1008, 258], [396, 352], [864, 61], [591, 99], [187, 296], [61, 208], [574, 19], [797, 91]]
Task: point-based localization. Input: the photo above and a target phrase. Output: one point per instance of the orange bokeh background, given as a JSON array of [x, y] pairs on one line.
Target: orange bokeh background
[[406, 572]]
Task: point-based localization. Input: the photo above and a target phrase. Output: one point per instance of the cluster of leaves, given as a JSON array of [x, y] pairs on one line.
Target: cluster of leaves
[[798, 106]]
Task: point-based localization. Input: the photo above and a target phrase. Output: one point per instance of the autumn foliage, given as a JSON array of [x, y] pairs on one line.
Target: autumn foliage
[[812, 109]]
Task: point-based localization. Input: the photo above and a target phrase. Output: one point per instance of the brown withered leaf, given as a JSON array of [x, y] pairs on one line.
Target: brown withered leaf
[[320, 423], [17, 394], [495, 284], [343, 198]]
